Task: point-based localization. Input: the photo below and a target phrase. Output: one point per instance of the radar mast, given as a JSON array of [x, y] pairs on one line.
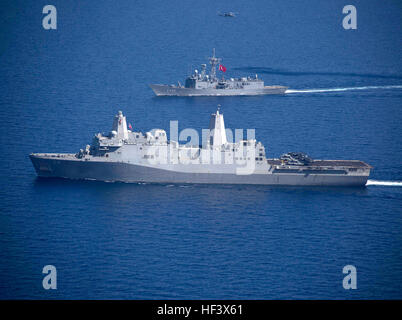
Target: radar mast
[[214, 62]]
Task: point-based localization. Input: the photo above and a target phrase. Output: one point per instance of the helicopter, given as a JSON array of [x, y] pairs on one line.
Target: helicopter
[[228, 14]]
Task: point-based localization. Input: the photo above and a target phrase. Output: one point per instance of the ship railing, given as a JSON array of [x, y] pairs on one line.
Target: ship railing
[[318, 167], [57, 155]]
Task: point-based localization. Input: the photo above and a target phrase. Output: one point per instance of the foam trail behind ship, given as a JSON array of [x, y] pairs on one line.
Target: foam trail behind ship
[[384, 183], [323, 90]]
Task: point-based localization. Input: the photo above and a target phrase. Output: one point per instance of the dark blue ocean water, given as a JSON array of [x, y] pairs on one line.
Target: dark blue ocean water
[[114, 240]]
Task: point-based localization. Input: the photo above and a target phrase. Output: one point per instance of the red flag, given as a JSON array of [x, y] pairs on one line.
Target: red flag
[[130, 127], [222, 68]]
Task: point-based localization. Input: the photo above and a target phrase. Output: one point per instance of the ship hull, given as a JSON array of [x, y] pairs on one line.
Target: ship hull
[[125, 172], [165, 90]]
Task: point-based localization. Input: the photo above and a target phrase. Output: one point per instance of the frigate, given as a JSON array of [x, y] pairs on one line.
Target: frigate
[[129, 156], [204, 84]]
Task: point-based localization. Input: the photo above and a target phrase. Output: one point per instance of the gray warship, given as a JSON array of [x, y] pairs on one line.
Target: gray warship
[[129, 156], [203, 84]]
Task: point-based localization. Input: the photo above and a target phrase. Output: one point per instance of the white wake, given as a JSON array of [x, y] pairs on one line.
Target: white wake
[[342, 89], [384, 183]]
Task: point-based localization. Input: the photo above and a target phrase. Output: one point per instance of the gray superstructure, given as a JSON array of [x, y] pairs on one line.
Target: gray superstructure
[[129, 156], [204, 84]]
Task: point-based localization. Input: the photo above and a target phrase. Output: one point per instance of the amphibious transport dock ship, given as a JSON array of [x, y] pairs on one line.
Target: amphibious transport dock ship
[[203, 84], [129, 156]]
